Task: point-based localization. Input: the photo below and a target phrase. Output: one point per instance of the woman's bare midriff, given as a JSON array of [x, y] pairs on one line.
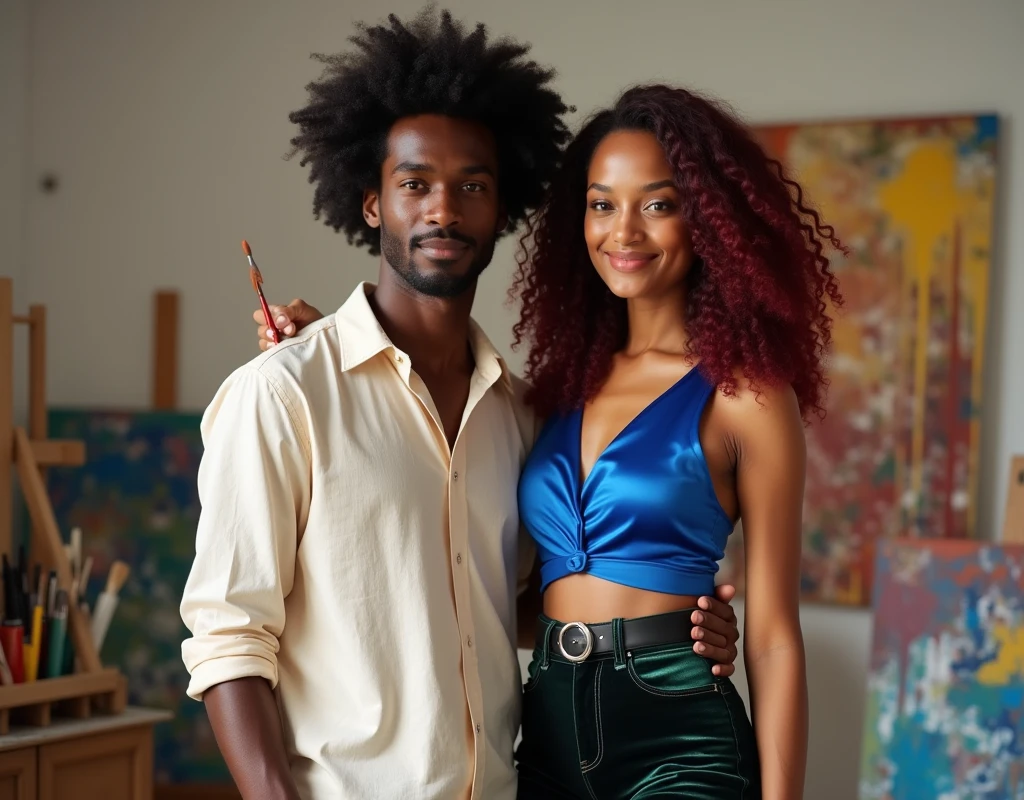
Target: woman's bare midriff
[[584, 598]]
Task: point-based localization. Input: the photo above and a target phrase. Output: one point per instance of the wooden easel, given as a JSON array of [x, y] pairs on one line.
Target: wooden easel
[[32, 452], [165, 350]]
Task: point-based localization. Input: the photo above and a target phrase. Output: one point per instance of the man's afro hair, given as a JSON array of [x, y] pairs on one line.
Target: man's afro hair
[[429, 66]]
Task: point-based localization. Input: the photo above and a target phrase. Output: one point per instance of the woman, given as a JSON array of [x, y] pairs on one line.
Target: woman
[[675, 347]]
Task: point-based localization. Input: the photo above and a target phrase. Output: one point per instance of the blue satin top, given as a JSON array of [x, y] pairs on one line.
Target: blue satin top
[[646, 516]]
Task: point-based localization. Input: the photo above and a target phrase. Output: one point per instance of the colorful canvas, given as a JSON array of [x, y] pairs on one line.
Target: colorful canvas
[[136, 500], [945, 696], [897, 453]]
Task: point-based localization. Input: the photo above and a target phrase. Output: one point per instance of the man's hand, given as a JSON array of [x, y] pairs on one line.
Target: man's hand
[[716, 632], [289, 320]]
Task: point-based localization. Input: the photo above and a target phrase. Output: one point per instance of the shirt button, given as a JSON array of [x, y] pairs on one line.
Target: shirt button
[[458, 558], [455, 476], [469, 641], [577, 561], [398, 359], [478, 729]]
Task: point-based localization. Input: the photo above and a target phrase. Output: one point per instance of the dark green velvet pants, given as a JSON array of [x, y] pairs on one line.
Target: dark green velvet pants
[[649, 723]]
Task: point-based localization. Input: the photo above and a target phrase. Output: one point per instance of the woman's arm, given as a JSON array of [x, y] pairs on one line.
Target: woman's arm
[[289, 319], [770, 469]]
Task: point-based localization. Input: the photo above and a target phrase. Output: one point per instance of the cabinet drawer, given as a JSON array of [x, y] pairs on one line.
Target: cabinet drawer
[[112, 766], [18, 774]]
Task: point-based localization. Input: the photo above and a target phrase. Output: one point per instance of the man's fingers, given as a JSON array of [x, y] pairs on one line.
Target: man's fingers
[[302, 313], [266, 340], [726, 592], [717, 608], [282, 315], [722, 655], [287, 319], [284, 325], [725, 628], [710, 637]]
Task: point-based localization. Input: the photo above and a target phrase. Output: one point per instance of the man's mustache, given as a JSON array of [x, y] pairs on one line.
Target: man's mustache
[[442, 233]]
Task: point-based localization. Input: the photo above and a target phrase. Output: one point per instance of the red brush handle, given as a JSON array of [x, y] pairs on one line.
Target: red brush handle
[[11, 637], [274, 332]]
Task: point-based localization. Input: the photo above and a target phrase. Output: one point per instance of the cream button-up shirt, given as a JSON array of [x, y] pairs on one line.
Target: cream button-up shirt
[[368, 572]]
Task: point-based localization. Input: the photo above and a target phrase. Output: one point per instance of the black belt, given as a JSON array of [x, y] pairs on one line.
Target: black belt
[[577, 641]]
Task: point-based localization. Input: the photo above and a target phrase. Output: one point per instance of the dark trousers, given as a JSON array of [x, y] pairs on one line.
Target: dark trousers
[[648, 723]]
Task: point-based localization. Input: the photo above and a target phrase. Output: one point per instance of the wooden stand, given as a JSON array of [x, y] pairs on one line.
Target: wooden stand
[[46, 452], [93, 688], [75, 696], [165, 351]]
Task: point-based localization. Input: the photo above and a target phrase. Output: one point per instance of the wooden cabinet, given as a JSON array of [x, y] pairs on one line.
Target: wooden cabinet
[[106, 758], [18, 775], [111, 766]]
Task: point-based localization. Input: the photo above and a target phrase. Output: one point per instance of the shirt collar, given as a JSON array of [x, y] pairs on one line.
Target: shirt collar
[[362, 338]]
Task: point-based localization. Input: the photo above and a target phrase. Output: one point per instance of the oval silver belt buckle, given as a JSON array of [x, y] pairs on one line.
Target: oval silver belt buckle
[[588, 639]]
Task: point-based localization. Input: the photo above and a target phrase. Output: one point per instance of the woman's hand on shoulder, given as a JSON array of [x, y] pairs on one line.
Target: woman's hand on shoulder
[[289, 319]]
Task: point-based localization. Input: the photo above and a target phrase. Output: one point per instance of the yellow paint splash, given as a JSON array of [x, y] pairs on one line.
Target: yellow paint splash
[[1010, 664], [922, 202]]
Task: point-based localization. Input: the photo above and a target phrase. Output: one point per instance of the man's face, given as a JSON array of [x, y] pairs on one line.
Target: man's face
[[438, 208]]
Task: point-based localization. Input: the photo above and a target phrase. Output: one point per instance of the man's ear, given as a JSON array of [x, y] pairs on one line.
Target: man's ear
[[502, 219], [371, 207]]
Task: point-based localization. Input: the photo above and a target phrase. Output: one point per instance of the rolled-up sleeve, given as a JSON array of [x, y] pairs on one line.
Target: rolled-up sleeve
[[254, 489]]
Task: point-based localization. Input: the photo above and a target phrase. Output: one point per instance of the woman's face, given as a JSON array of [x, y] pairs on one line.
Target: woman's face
[[634, 227]]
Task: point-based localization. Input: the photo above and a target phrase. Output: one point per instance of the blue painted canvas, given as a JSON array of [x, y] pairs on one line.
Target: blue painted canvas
[[136, 500]]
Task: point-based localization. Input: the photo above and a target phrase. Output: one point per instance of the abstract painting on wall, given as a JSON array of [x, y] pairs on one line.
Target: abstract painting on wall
[[945, 696], [897, 453], [136, 500]]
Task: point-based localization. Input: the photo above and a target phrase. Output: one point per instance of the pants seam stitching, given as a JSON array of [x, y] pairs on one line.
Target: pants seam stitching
[[736, 743], [600, 727]]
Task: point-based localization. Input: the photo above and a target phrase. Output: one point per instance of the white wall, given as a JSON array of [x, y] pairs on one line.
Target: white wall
[[166, 124]]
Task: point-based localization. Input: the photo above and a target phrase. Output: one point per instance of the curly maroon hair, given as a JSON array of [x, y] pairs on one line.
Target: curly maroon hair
[[756, 295]]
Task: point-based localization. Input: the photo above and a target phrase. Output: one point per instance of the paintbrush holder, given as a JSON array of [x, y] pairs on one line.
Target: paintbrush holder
[[77, 696], [92, 688]]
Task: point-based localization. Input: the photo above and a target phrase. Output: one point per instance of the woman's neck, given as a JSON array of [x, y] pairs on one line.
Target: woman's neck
[[657, 324]]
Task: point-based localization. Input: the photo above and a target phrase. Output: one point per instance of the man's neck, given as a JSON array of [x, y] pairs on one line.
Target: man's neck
[[433, 331]]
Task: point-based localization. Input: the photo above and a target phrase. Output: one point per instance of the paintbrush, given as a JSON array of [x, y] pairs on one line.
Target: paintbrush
[[257, 283], [81, 585], [6, 676], [76, 552], [106, 603]]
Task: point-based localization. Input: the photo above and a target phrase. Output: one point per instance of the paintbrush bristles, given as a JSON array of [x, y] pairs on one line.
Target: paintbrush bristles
[[117, 577], [254, 272], [255, 277]]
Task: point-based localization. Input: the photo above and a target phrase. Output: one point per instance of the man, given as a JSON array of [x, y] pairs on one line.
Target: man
[[353, 599]]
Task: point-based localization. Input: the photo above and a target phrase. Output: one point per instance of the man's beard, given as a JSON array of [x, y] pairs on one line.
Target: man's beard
[[399, 256]]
